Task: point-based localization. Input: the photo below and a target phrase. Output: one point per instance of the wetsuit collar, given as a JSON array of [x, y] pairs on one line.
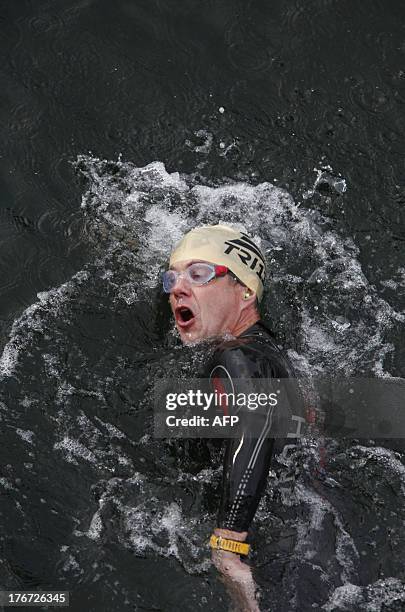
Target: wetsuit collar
[[257, 329]]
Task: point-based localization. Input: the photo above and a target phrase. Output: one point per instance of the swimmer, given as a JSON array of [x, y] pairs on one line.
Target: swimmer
[[215, 280]]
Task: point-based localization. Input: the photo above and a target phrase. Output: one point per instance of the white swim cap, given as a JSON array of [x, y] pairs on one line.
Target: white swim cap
[[224, 246]]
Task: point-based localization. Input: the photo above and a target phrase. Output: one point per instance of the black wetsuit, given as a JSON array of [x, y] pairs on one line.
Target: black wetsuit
[[235, 366]]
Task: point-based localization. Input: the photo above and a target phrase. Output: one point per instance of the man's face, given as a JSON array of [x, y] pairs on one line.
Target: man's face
[[208, 310]]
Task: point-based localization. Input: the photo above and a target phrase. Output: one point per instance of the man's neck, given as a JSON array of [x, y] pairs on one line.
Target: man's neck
[[245, 322]]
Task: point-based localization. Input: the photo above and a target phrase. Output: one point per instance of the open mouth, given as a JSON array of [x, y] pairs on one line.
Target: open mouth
[[184, 316]]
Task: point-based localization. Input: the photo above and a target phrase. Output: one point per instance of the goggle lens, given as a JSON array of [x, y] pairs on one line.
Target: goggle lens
[[169, 281], [196, 274]]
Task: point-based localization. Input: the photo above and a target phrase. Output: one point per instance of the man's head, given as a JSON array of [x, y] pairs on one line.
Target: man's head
[[232, 272]]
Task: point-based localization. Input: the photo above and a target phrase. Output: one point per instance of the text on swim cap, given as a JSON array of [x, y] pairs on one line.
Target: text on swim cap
[[248, 253]]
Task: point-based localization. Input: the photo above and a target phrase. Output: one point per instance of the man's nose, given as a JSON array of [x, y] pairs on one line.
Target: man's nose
[[182, 286]]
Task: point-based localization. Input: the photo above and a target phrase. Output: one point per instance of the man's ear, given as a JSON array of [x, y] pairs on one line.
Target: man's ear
[[248, 296]]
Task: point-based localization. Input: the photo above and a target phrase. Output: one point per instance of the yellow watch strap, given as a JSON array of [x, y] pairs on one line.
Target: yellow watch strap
[[240, 548]]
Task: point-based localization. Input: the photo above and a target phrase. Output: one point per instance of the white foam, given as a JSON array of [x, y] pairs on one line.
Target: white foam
[[96, 527], [73, 449], [26, 434], [371, 598], [4, 482], [385, 457], [112, 430], [24, 327], [348, 594], [345, 548], [206, 146], [138, 214]]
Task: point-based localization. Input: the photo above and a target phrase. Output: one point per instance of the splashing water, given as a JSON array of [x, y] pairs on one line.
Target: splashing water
[[77, 375]]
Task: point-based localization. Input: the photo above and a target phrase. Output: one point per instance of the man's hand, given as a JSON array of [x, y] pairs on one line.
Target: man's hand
[[236, 575]]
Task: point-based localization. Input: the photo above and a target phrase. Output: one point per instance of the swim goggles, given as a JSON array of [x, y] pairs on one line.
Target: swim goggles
[[196, 274]]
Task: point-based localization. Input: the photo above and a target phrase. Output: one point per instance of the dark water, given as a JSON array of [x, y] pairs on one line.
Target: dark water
[[286, 117]]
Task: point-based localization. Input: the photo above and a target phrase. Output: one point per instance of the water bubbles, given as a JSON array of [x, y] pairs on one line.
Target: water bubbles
[[207, 139], [340, 324], [136, 215], [326, 183], [74, 450], [98, 342], [26, 435]]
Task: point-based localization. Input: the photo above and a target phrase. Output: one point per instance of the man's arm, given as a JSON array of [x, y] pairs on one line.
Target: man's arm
[[246, 465], [248, 454]]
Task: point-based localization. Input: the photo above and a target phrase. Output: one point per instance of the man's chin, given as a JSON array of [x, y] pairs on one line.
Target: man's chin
[[191, 337]]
